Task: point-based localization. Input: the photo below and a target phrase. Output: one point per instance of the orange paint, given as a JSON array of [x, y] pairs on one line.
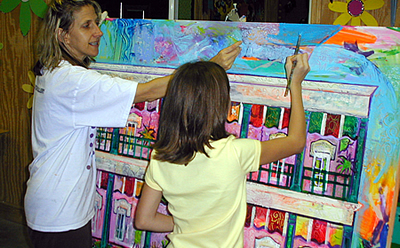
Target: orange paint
[[250, 58], [372, 215], [351, 36], [368, 223]]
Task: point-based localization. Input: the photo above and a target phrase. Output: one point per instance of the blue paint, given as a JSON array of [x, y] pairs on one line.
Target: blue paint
[[161, 43]]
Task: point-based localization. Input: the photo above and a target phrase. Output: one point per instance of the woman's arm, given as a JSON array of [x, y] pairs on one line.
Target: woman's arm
[[157, 88], [226, 57], [152, 90], [294, 142], [147, 218]]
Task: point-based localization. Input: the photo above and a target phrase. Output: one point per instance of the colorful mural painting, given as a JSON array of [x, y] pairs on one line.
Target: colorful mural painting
[[339, 192]]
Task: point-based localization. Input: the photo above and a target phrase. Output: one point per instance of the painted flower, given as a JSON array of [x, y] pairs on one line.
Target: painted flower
[[148, 133], [356, 11], [30, 88], [38, 7], [345, 166]]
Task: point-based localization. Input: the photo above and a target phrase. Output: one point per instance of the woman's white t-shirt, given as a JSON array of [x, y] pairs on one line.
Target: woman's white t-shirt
[[69, 102]]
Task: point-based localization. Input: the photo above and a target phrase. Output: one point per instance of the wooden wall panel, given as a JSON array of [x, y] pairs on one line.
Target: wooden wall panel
[[16, 58], [321, 14]]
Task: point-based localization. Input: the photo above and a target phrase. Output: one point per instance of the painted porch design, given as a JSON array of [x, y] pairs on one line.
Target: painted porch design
[[316, 187], [337, 193]]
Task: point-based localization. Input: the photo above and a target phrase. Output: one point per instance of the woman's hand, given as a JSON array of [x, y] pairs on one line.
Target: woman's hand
[[156, 88], [226, 57]]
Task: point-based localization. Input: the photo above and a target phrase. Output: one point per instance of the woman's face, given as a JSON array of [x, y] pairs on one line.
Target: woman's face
[[83, 38]]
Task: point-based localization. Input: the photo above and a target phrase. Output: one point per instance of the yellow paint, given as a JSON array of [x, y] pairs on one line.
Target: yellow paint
[[336, 235], [302, 226]]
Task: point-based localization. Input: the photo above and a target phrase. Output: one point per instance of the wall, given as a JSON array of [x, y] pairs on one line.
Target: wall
[[16, 58]]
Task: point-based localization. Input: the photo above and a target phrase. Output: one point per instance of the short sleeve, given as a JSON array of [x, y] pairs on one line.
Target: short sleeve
[[73, 96], [248, 152], [151, 172], [102, 100]]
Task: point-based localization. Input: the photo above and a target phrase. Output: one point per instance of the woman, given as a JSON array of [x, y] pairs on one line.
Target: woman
[[69, 102]]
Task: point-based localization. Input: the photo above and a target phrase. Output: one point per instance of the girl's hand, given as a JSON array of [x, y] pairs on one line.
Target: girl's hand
[[301, 67]]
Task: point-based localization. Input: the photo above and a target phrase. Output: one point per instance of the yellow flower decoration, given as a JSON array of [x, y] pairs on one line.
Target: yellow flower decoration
[[148, 133], [30, 88], [355, 10]]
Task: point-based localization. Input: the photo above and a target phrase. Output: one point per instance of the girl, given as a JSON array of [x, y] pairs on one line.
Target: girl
[[69, 102], [201, 169]]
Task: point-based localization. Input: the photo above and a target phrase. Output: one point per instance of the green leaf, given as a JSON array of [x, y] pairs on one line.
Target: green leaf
[[344, 144], [25, 18], [39, 7], [8, 5], [1, 45]]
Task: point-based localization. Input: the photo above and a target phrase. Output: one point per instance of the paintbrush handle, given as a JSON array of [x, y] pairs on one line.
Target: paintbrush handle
[[290, 78]]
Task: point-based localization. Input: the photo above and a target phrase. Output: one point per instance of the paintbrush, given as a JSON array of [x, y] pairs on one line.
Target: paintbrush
[[296, 51]]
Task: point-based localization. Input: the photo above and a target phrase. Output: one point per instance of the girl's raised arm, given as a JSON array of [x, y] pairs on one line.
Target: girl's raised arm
[[294, 142]]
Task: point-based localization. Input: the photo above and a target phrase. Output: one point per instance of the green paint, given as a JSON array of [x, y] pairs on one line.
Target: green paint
[[262, 67], [345, 165], [201, 30], [115, 140], [107, 214], [298, 167], [344, 144], [290, 231], [347, 236], [315, 122], [394, 51], [138, 236], [394, 28], [147, 242], [272, 117], [244, 129], [358, 160], [350, 126], [217, 31], [164, 243]]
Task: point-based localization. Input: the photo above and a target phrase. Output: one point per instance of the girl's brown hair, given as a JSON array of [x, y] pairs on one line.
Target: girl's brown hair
[[194, 112], [59, 15]]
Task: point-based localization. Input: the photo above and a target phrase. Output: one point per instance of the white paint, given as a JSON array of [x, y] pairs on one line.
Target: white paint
[[313, 206], [319, 96]]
